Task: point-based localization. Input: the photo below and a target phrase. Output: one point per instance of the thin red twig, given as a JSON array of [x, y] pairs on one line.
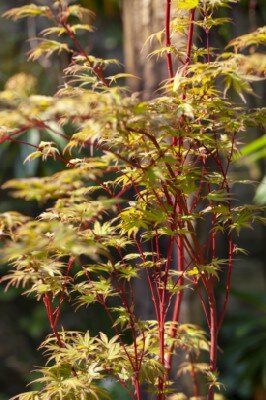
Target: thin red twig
[[168, 39]]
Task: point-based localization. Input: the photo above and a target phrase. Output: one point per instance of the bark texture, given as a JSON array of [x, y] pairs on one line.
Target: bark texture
[[141, 18]]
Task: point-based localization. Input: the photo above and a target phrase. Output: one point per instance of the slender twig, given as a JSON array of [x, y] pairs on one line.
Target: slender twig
[[168, 39]]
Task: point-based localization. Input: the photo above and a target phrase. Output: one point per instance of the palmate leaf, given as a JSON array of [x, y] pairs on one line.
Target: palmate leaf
[[251, 66], [45, 150], [219, 195], [46, 48], [211, 22], [211, 269], [59, 382], [34, 395], [123, 318], [121, 75], [151, 370], [245, 216], [255, 38], [68, 183], [42, 273], [54, 30], [218, 3], [57, 30], [31, 10], [187, 367], [90, 357], [213, 380], [180, 24], [53, 238], [162, 51], [80, 12], [186, 4], [239, 83], [39, 189], [158, 36], [10, 221], [103, 62], [132, 221], [94, 291]]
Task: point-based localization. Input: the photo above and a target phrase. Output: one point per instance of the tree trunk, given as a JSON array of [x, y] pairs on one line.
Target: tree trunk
[[141, 18]]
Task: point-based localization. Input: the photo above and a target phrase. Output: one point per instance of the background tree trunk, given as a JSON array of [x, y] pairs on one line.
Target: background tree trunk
[[140, 19]]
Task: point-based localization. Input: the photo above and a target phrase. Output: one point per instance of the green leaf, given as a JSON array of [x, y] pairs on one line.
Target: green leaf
[[27, 396], [256, 38], [186, 4], [260, 196], [254, 145], [32, 156], [31, 10], [80, 12], [121, 75], [219, 195], [47, 48]]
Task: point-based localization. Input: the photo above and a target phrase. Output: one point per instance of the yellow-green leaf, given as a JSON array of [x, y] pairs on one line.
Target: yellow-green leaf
[[30, 10], [186, 4]]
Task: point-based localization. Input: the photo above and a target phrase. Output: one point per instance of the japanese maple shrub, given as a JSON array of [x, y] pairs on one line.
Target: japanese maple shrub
[[92, 241]]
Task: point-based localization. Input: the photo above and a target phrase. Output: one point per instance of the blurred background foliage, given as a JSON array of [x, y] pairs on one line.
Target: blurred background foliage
[[22, 321]]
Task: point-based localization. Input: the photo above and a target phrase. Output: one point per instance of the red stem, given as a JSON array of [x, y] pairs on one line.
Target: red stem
[[62, 20], [182, 206], [97, 70], [228, 282], [48, 305], [137, 388], [204, 306], [168, 39], [213, 333], [190, 37], [156, 308], [177, 306], [53, 315]]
